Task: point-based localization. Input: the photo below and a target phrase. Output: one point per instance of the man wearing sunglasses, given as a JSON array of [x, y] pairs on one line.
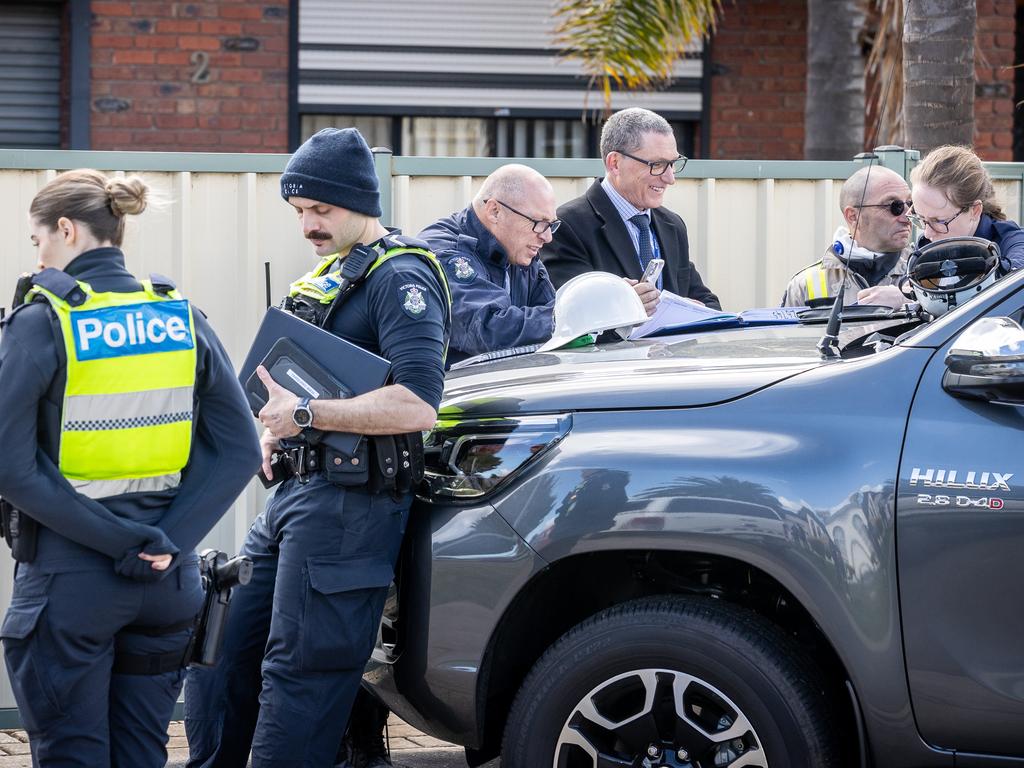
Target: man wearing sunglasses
[[501, 294], [619, 224], [869, 252]]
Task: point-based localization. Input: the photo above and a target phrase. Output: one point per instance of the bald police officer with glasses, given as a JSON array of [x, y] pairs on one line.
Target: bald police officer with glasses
[[619, 224], [875, 203], [501, 294]]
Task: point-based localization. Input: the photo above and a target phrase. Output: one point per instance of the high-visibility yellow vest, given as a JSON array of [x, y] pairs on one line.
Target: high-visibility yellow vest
[[816, 282], [322, 285], [126, 420]]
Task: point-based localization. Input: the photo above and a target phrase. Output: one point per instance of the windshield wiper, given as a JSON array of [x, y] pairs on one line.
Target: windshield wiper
[[499, 354], [851, 312]]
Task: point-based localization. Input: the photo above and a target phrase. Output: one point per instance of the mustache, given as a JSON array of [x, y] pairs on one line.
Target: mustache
[[318, 235]]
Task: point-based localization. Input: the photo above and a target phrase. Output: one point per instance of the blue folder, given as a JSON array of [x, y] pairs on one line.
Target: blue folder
[[358, 370]]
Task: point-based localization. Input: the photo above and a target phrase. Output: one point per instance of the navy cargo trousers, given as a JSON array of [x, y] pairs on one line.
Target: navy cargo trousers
[[61, 635], [300, 633]]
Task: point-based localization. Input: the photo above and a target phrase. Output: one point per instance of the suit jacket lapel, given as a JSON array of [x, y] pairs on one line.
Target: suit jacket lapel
[[668, 238], [614, 229]]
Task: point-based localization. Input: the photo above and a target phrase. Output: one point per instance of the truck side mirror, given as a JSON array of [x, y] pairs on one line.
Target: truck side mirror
[[987, 362]]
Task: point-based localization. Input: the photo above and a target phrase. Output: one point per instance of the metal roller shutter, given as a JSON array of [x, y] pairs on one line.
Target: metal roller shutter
[[30, 75], [454, 58]]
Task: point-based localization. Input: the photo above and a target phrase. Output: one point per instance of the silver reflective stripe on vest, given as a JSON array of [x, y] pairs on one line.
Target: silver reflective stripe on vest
[[93, 413], [101, 489]]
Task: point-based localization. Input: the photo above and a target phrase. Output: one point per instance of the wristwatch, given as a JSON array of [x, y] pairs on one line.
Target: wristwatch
[[302, 415]]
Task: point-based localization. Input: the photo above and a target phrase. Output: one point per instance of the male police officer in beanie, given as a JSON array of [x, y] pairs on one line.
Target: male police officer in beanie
[[324, 549]]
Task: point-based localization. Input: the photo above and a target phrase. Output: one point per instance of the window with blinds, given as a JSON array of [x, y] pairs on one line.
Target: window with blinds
[[30, 58], [462, 78]]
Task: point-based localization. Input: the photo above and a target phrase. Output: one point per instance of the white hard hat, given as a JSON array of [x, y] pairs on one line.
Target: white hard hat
[[591, 303], [946, 273]]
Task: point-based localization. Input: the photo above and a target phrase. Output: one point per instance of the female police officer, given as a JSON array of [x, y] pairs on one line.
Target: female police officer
[[126, 437]]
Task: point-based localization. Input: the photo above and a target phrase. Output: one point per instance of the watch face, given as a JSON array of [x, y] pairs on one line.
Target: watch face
[[302, 416]]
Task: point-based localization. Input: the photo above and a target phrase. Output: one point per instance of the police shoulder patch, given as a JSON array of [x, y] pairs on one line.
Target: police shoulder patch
[[462, 270], [413, 297]]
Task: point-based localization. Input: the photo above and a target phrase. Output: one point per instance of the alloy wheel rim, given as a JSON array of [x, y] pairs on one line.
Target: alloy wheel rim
[[657, 718]]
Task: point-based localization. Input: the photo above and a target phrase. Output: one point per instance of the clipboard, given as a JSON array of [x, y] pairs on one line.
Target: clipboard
[[304, 358]]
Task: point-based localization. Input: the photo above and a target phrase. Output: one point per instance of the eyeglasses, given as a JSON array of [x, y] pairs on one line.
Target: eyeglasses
[[540, 226], [658, 167], [896, 207], [937, 225]]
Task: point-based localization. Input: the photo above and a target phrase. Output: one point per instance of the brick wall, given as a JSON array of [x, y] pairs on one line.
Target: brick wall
[[759, 66], [993, 91], [181, 76]]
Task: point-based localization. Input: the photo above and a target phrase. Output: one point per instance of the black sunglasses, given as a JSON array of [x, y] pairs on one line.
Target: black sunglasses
[[540, 226], [896, 207], [658, 167]]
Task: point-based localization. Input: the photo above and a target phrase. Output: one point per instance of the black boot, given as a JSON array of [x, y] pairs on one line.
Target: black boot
[[364, 739]]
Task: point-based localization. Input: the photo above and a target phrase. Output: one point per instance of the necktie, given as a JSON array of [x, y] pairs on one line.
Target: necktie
[[646, 251]]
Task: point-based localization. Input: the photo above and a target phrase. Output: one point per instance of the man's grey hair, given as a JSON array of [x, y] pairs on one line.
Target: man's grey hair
[[510, 184], [625, 130], [854, 193]]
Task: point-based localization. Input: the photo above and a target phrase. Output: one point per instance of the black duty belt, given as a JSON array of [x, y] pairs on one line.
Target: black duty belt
[[301, 461], [392, 463]]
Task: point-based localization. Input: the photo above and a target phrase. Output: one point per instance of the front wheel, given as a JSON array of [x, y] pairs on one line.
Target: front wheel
[[672, 681]]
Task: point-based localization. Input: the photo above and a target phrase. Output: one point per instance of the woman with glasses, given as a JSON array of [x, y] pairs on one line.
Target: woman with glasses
[[954, 197]]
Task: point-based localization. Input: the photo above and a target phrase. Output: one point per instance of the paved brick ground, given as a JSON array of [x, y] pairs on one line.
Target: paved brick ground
[[409, 748]]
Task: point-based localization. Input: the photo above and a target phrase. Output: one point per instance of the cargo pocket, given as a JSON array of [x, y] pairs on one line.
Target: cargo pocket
[[33, 689], [343, 603]]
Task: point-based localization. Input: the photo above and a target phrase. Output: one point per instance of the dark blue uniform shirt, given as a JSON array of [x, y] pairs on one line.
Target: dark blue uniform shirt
[[79, 533], [495, 305], [1007, 235], [399, 313]]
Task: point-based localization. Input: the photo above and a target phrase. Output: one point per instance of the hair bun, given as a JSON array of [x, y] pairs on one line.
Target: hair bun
[[127, 196]]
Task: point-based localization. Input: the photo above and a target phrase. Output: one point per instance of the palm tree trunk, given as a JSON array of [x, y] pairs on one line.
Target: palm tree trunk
[[834, 111], [938, 70]]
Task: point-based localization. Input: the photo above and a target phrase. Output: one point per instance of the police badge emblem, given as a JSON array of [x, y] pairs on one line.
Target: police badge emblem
[[414, 303], [464, 271]]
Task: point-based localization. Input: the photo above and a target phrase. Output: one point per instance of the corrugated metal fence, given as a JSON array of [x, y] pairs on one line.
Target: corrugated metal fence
[[752, 225]]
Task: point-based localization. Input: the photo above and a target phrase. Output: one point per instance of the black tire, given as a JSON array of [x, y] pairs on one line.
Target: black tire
[[725, 658]]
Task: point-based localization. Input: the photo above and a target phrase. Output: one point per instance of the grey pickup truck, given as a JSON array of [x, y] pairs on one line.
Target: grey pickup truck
[[718, 549]]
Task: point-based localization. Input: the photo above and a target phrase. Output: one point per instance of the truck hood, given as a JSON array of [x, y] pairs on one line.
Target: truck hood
[[667, 372]]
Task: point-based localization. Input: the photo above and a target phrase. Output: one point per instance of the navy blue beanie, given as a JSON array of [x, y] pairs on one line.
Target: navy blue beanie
[[334, 166]]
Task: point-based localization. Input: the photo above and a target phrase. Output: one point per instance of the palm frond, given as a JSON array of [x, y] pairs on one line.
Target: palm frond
[[631, 43]]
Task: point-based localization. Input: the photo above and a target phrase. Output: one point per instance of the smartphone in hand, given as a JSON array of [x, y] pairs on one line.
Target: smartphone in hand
[[653, 271]]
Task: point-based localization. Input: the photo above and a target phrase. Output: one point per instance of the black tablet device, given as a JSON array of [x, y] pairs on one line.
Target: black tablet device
[[305, 358], [297, 372]]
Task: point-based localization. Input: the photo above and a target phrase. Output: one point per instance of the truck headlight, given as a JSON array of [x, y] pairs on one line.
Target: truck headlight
[[471, 458]]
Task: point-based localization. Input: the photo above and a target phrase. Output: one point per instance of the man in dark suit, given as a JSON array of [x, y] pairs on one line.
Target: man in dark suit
[[618, 225]]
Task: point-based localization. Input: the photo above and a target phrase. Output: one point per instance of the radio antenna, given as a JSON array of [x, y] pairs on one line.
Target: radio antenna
[[828, 345]]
